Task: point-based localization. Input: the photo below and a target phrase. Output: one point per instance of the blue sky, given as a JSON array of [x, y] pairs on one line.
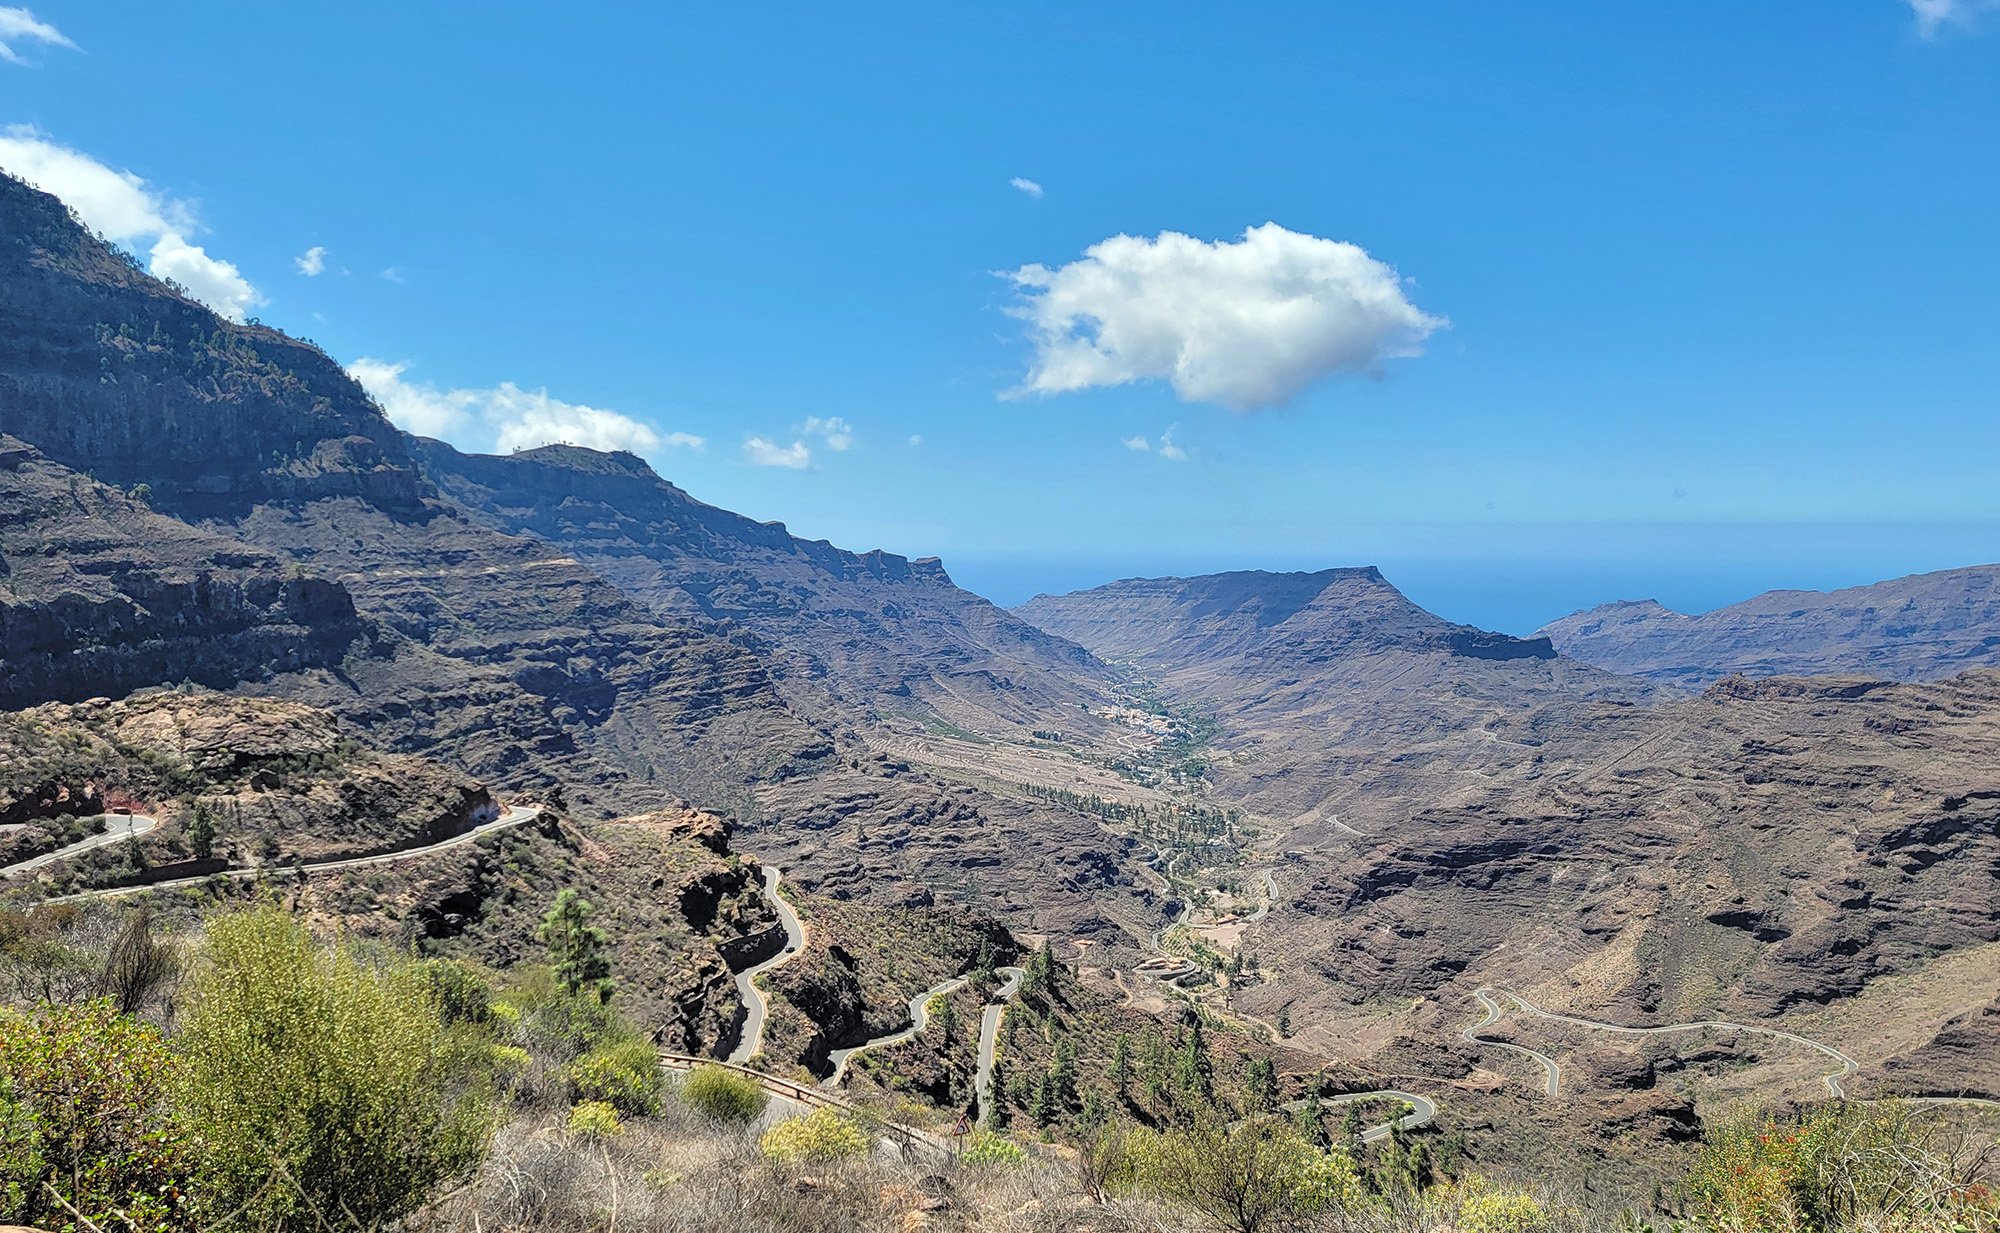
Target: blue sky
[[1685, 301]]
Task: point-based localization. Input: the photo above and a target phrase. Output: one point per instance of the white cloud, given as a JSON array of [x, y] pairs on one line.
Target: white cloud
[[313, 264], [1244, 324], [213, 281], [1027, 187], [1167, 449], [129, 212], [394, 274], [505, 417], [835, 431], [764, 452], [916, 439], [18, 25], [1934, 15]]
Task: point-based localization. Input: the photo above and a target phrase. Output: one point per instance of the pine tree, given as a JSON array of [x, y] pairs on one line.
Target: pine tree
[[947, 1020], [1260, 1086], [1121, 1066], [1311, 1119], [1041, 1102], [201, 831], [577, 947], [1194, 1071], [1062, 1076], [1350, 1129]]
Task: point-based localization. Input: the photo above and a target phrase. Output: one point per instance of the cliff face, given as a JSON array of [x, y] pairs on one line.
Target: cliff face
[[1921, 628], [1336, 694], [100, 595], [873, 629], [295, 548], [110, 371], [1258, 617]]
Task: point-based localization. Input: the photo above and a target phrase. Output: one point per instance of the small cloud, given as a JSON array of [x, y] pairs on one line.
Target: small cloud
[[505, 417], [916, 439], [1166, 448], [313, 264], [835, 431], [129, 212], [394, 274], [18, 25], [764, 452], [1026, 187], [1244, 324], [1934, 15]]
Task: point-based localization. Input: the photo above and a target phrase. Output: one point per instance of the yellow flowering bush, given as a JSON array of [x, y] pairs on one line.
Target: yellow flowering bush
[[815, 1138]]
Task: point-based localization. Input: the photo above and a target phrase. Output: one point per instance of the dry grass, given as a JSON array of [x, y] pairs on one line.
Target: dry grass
[[683, 1174]]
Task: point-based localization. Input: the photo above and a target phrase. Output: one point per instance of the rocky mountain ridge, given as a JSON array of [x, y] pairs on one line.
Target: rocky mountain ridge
[[872, 629], [1924, 627]]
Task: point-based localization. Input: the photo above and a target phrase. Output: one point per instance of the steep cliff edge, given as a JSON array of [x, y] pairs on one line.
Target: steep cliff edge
[[869, 629]]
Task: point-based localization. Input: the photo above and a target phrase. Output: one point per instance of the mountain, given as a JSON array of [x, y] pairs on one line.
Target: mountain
[[1921, 628], [1335, 693], [233, 510], [871, 629], [1256, 618]]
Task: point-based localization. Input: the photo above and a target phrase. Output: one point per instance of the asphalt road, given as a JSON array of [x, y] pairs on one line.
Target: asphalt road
[[1833, 1081], [1422, 1111], [920, 1017], [118, 827], [510, 817], [756, 1008], [1551, 1068], [989, 1037]]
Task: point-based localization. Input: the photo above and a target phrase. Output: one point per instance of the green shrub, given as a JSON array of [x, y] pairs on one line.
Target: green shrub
[[1483, 1209], [625, 1074], [815, 1138], [85, 1108], [1242, 1178], [593, 1119], [1838, 1166], [722, 1094], [461, 993], [985, 1147], [320, 1087]]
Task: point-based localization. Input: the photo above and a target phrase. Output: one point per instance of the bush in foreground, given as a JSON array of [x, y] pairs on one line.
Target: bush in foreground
[[722, 1094], [819, 1137], [325, 1093], [85, 1113], [1876, 1166]]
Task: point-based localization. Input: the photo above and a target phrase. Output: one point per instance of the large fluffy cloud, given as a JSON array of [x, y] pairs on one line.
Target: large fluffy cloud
[[1246, 323], [505, 416], [129, 212], [18, 25]]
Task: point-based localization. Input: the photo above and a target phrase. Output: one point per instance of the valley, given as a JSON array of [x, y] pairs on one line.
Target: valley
[[1265, 844]]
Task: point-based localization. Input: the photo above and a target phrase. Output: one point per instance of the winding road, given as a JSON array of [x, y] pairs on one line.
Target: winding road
[[756, 1008], [1485, 994], [989, 1037], [1474, 1035], [118, 827], [513, 815], [920, 1018], [1422, 1110]]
